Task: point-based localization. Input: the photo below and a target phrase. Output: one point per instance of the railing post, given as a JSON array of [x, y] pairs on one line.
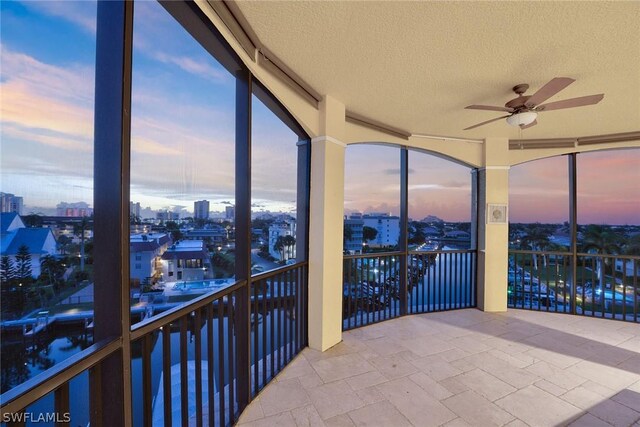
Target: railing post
[[404, 223], [573, 221], [242, 321], [114, 42]]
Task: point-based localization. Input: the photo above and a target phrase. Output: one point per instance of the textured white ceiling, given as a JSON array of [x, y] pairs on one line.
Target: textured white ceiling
[[416, 65]]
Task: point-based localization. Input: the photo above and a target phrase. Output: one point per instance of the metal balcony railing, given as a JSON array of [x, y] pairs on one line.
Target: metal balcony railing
[[595, 285], [185, 363], [382, 286]]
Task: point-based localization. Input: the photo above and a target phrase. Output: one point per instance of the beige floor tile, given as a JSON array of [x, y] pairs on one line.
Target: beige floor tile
[[550, 387], [281, 420], [431, 386], [252, 412], [468, 358], [476, 410], [394, 366], [516, 423], [426, 346], [385, 346], [588, 420], [340, 367], [605, 375], [334, 398], [378, 414], [486, 384], [339, 421], [520, 362], [365, 380], [582, 397], [553, 357], [458, 422], [539, 408], [307, 416], [298, 367], [283, 396], [604, 391], [370, 395], [470, 344], [615, 413], [555, 375], [437, 370], [631, 364], [454, 385], [453, 354], [311, 380], [415, 403], [628, 398], [515, 377]]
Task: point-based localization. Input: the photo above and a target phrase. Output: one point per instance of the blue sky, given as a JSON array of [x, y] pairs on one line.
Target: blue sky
[[183, 132], [183, 105]]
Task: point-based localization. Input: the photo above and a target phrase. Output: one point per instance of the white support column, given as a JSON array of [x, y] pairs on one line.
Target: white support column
[[326, 228], [493, 237]]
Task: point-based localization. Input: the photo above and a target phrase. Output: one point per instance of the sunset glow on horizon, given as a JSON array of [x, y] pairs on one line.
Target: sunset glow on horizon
[[182, 134]]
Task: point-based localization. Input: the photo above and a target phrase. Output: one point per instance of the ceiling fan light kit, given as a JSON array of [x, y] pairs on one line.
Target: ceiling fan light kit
[[522, 119], [523, 110]]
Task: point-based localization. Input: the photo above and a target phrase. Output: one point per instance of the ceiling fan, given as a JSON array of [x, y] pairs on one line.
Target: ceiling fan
[[523, 110]]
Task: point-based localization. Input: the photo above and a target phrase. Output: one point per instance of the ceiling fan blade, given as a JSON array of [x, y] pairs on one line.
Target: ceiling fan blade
[[570, 103], [487, 122], [547, 91], [533, 123], [489, 108]]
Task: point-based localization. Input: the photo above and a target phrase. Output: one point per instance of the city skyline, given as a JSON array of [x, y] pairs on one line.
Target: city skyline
[[182, 145]]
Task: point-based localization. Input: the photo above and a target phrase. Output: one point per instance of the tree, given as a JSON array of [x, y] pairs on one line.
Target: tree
[[369, 233], [279, 246], [289, 243], [32, 220], [537, 239], [632, 245], [347, 234], [23, 264], [79, 230], [7, 270], [601, 240], [172, 227], [51, 271]]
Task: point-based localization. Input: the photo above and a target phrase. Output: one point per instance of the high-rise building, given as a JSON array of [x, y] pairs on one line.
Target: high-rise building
[[165, 215], [201, 209], [230, 212], [11, 203], [73, 209], [134, 209]]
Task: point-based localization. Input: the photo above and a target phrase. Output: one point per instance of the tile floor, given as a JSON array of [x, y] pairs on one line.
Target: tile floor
[[460, 368]]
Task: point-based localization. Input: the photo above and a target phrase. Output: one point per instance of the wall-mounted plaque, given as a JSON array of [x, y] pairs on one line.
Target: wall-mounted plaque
[[496, 214]]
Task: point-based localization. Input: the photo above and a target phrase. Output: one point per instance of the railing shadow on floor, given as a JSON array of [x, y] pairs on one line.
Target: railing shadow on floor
[[549, 339]]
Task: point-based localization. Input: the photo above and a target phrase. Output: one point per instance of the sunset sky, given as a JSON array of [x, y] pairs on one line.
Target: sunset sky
[[183, 134]]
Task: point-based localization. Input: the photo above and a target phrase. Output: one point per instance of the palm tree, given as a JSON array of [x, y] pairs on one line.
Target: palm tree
[[601, 240], [289, 243], [537, 239], [79, 230], [280, 246]]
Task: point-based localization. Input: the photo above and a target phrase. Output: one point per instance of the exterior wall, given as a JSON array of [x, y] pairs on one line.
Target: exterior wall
[[141, 265], [388, 228], [354, 244]]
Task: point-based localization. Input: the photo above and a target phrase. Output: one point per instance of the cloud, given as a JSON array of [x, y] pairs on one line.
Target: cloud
[[192, 65], [81, 13], [40, 96], [396, 171]]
